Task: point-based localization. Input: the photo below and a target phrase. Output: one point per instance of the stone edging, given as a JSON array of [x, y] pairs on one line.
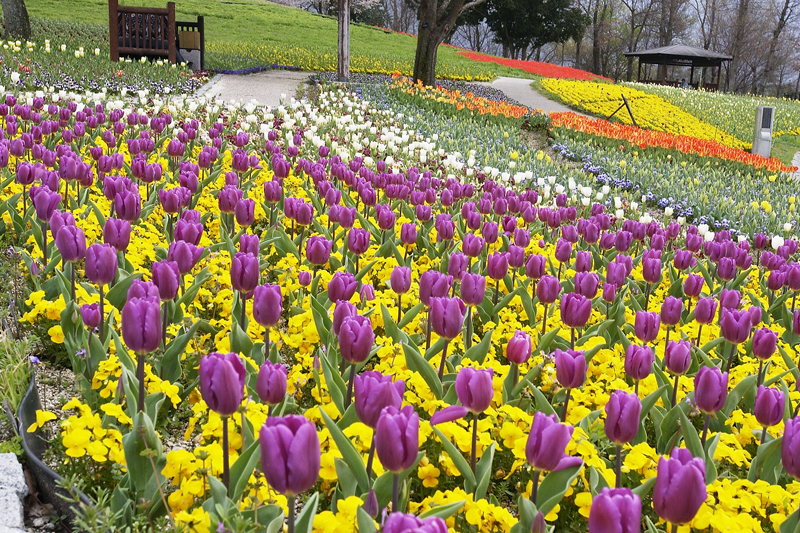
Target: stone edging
[[13, 489], [203, 90]]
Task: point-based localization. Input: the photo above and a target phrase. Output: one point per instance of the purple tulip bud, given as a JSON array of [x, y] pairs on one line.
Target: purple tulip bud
[[356, 338], [671, 311], [769, 406], [622, 417], [141, 322], [609, 292], [586, 284], [397, 438], [473, 289], [374, 392], [167, 278], [497, 265], [563, 250], [570, 368], [790, 447], [710, 389], [474, 388], [433, 284], [445, 227], [44, 202], [372, 508], [680, 487], [318, 250], [646, 326], [575, 309], [705, 310], [71, 243], [535, 266], [447, 316], [735, 326], [730, 299], [616, 273], [678, 356], [304, 278], [290, 454], [693, 285], [90, 314], [638, 362], [519, 347], [400, 279], [185, 254], [615, 511], [101, 264], [651, 269], [489, 232], [244, 211], [342, 310], [271, 383], [222, 379], [245, 270], [764, 343], [267, 305], [342, 287], [358, 240], [547, 289], [546, 443]]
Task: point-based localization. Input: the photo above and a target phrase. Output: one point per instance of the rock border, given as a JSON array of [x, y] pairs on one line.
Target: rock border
[[13, 489]]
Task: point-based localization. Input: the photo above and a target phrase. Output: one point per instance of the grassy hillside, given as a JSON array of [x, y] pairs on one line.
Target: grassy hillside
[[241, 33]]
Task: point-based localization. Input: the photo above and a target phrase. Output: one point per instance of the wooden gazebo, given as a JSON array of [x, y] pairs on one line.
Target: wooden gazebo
[[682, 56]]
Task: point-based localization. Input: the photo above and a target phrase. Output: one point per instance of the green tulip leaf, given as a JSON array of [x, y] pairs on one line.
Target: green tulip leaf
[[417, 363], [484, 472], [305, 520], [443, 511], [554, 486], [460, 463], [365, 522], [478, 351], [349, 452]]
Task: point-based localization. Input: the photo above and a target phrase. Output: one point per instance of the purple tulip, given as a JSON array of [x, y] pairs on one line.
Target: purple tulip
[[546, 443], [44, 202], [646, 326], [267, 305], [433, 284], [519, 348], [358, 240], [167, 278], [271, 383], [408, 234], [638, 362], [678, 356], [397, 438], [222, 379], [400, 279], [356, 338], [616, 273], [570, 368], [474, 388], [683, 259], [547, 289], [71, 243], [447, 316], [366, 293], [790, 447], [117, 233], [575, 309], [516, 256], [622, 417], [769, 406], [101, 264], [304, 278], [244, 272], [90, 314], [735, 326], [141, 324], [398, 522], [489, 232], [693, 285], [651, 269], [473, 289], [342, 287], [583, 262], [587, 283], [705, 310], [185, 254], [290, 454], [374, 392], [710, 389], [472, 245], [228, 197], [318, 250], [609, 292], [245, 212], [671, 311], [764, 343], [535, 266], [615, 511], [497, 265], [680, 487], [730, 299], [563, 251], [342, 310]]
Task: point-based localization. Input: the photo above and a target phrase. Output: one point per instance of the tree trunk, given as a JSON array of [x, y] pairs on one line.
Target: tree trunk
[[769, 63], [738, 42], [425, 58], [15, 15], [343, 65], [596, 39]]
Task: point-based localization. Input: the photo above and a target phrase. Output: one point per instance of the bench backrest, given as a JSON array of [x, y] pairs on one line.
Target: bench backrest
[[142, 30]]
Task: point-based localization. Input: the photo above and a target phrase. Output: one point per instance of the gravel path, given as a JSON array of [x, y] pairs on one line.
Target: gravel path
[[266, 88], [520, 90]]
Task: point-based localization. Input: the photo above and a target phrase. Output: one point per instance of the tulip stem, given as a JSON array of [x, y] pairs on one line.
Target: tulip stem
[[619, 466], [544, 319], [535, 487], [760, 369], [428, 333], [399, 306], [674, 528], [164, 324], [395, 494], [705, 431], [371, 457], [473, 461], [266, 345], [44, 244], [675, 390], [140, 377], [444, 358], [102, 317], [350, 385], [226, 468], [636, 388], [647, 298], [572, 338], [699, 331], [566, 404], [72, 270], [290, 520], [243, 317], [496, 294], [730, 358], [763, 434], [468, 332]]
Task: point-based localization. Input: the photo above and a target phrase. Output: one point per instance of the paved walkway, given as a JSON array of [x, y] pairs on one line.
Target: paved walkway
[[796, 163], [520, 90], [266, 88]]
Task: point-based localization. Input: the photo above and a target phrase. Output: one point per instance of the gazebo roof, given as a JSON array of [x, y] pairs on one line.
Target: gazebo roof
[[680, 55]]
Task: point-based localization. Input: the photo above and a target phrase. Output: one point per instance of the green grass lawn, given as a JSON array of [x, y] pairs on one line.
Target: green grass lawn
[[785, 147], [263, 25]]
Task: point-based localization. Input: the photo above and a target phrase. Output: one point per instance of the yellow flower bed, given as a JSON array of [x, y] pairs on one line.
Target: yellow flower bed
[[651, 112]]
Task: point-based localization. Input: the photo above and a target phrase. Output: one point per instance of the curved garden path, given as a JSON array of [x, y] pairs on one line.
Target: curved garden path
[[520, 90]]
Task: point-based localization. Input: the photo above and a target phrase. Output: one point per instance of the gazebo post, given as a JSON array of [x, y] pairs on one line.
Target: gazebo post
[[639, 73], [691, 75], [719, 74]]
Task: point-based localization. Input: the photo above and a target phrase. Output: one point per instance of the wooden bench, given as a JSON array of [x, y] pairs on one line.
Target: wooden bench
[[152, 32]]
